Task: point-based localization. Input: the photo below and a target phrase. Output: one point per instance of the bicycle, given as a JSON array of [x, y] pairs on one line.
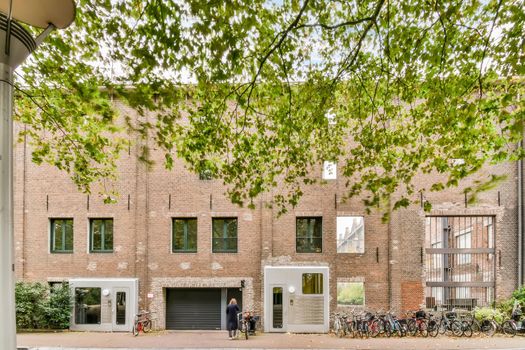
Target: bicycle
[[416, 322], [142, 323], [448, 324], [244, 324]]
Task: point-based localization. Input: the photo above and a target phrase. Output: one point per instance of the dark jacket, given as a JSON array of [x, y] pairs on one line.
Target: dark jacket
[[231, 319]]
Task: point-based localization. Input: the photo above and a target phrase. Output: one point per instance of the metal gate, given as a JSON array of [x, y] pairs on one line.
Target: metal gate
[[460, 259]]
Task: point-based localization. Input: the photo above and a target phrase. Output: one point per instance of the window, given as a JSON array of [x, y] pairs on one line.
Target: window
[[224, 235], [61, 235], [350, 294], [330, 116], [329, 170], [101, 235], [312, 283], [350, 234], [184, 236], [309, 233], [87, 305]]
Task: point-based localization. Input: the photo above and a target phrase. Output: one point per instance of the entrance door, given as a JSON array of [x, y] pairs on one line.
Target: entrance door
[[278, 314], [120, 311]]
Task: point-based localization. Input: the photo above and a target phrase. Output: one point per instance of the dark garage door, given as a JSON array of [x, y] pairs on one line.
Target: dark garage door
[[193, 308]]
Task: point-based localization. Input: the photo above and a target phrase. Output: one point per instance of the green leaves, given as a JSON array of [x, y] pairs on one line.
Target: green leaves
[[243, 90]]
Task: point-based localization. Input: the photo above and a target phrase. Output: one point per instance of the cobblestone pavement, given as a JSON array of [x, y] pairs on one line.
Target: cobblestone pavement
[[218, 340]]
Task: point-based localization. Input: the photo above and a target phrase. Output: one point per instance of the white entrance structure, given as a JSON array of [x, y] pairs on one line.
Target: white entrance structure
[[104, 304], [296, 299]]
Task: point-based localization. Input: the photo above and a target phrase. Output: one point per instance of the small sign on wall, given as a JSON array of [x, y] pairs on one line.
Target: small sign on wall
[[150, 295]]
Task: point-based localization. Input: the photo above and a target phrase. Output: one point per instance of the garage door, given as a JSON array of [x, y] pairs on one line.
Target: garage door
[[193, 308]]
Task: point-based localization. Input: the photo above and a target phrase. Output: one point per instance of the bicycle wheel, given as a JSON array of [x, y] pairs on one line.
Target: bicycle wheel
[[337, 327], [146, 326], [375, 328], [509, 328], [466, 329], [433, 328], [340, 331], [456, 328], [412, 327], [442, 327], [388, 329], [488, 328], [137, 327], [423, 328], [475, 326], [245, 329]]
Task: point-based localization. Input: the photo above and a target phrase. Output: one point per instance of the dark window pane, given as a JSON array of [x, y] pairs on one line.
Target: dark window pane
[[57, 235], [224, 235], [96, 235], [61, 235], [108, 235], [312, 283], [121, 308], [102, 235], [218, 226], [192, 235], [87, 305], [68, 233], [309, 232], [184, 235]]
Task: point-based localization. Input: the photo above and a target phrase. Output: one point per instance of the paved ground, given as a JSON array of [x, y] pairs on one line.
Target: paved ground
[[218, 340]]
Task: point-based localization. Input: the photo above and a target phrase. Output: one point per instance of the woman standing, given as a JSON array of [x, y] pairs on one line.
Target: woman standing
[[231, 311]]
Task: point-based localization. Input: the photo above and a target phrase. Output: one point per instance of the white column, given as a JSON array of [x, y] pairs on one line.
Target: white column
[[7, 266]]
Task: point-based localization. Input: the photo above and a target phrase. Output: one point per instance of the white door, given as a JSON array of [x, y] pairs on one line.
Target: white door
[[278, 309], [121, 310]]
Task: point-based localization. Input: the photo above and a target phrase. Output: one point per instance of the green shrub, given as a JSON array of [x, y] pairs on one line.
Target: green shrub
[[489, 313], [519, 295], [57, 308], [38, 307], [29, 306]]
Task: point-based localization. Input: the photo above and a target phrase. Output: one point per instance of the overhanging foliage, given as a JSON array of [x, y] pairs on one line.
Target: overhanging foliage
[[411, 87]]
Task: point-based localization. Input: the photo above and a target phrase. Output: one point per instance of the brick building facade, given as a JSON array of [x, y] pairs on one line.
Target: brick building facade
[[391, 267]]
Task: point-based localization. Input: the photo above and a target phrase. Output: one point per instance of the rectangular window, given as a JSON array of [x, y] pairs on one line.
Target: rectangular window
[[350, 234], [87, 305], [101, 235], [224, 235], [61, 235], [329, 170], [309, 235], [350, 294], [312, 283], [184, 236]]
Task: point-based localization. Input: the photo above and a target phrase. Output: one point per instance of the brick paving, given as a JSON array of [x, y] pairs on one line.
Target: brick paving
[[218, 340]]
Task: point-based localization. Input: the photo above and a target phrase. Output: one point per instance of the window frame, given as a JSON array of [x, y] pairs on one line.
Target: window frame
[[329, 170], [186, 234], [52, 248], [309, 234], [316, 283], [224, 235], [91, 250]]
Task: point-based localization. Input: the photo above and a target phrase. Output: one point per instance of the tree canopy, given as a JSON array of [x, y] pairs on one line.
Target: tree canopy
[[261, 92]]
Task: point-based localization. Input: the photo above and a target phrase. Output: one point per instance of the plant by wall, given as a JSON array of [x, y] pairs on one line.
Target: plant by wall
[[38, 306]]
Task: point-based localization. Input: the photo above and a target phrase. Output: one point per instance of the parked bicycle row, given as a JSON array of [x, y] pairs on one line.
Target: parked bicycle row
[[364, 324]]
